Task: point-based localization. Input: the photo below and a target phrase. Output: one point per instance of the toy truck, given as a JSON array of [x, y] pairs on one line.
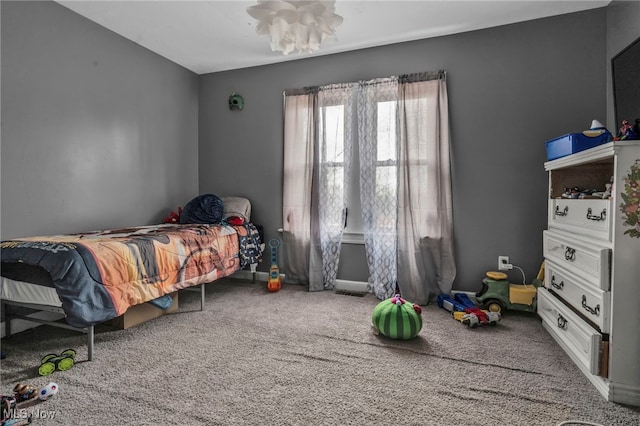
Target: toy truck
[[472, 320], [476, 317], [463, 309]]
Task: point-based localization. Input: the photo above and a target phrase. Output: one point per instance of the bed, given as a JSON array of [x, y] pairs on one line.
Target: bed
[[96, 276]]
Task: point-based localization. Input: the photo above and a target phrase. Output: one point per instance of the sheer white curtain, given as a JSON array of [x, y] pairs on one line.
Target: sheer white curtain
[[299, 130], [334, 147], [426, 264], [316, 175], [405, 183], [377, 134]]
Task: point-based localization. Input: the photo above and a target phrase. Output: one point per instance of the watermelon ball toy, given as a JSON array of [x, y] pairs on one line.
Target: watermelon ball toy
[[397, 319]]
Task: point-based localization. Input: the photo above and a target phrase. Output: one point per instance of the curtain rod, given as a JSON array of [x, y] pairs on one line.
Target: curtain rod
[[423, 76], [404, 78]]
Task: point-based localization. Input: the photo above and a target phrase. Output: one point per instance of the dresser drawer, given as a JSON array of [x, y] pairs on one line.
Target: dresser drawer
[[582, 342], [587, 260], [588, 217], [592, 302]]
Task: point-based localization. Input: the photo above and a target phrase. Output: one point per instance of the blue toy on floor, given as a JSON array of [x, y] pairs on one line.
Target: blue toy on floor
[[464, 300], [450, 304], [458, 303]]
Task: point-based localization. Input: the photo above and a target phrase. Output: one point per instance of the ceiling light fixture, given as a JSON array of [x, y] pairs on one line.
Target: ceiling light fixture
[[295, 26]]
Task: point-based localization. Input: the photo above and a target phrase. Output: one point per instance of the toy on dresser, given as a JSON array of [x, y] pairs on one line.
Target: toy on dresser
[[578, 193], [627, 131]]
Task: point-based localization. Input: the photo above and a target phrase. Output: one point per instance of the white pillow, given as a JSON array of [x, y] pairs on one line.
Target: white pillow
[[237, 206]]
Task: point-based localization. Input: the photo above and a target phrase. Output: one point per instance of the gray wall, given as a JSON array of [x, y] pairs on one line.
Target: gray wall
[[623, 27], [511, 88], [97, 132]]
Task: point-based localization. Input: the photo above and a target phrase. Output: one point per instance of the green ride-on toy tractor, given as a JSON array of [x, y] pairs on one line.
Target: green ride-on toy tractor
[[498, 295]]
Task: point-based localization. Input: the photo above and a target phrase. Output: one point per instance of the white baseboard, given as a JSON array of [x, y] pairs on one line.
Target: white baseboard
[[18, 325], [345, 285], [259, 276], [354, 286], [361, 286]]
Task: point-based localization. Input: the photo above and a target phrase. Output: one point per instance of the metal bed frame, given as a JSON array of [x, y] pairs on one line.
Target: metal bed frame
[[57, 309]]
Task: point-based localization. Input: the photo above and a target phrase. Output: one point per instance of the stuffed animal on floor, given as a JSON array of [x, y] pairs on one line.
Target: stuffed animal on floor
[[397, 318]]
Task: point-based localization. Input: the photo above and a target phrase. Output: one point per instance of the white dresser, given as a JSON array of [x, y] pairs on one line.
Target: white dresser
[[590, 302]]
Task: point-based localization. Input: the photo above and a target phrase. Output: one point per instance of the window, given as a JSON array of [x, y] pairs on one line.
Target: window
[[332, 159], [387, 160], [332, 154], [400, 127]]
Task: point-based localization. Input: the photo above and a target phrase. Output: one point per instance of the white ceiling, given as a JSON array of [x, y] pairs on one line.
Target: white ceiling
[[215, 35]]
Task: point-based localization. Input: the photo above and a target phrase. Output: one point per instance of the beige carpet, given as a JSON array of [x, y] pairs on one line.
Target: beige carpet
[[300, 358]]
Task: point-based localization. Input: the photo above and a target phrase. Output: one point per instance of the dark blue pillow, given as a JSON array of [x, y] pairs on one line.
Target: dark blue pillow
[[205, 208]]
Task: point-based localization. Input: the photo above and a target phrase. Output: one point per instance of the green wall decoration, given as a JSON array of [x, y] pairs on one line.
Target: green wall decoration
[[236, 101]]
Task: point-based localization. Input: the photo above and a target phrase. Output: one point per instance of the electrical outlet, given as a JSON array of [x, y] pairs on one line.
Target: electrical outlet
[[503, 263]]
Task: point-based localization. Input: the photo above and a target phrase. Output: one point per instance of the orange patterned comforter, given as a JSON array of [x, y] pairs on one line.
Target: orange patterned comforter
[[99, 275]]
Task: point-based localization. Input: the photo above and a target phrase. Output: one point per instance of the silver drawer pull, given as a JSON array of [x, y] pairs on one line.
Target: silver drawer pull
[[564, 212], [562, 322], [559, 285], [570, 254], [593, 311], [591, 216]]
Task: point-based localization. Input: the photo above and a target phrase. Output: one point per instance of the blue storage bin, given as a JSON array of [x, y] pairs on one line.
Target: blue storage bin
[[574, 142]]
